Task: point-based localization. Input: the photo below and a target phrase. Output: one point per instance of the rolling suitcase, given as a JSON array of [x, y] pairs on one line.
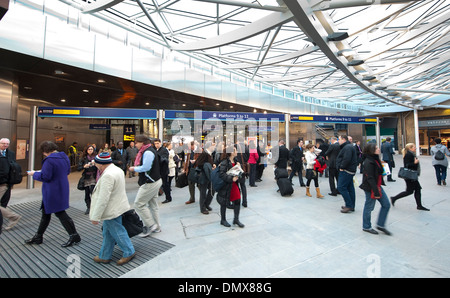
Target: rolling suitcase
[[281, 173], [285, 187]]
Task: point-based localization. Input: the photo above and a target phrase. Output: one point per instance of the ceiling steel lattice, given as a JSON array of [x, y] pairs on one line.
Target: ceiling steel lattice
[[375, 54]]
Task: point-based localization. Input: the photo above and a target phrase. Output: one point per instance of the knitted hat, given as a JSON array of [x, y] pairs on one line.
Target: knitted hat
[[103, 158]]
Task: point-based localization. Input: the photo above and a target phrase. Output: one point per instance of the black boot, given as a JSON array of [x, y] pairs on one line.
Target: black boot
[[69, 226], [223, 220], [237, 222], [237, 208], [36, 239], [418, 197], [74, 238]]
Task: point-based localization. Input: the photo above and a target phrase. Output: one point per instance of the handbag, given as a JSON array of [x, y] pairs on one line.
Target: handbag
[[132, 223], [409, 174], [80, 185], [310, 174], [181, 180]]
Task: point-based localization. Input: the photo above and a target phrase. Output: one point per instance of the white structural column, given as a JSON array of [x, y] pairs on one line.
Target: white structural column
[[161, 125], [377, 133], [32, 151], [287, 121], [416, 131]]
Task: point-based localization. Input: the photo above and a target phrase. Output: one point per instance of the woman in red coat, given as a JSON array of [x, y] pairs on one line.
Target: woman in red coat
[[253, 160]]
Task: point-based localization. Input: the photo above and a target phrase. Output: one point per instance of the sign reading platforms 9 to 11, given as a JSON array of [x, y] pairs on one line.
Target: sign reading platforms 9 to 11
[[333, 119]]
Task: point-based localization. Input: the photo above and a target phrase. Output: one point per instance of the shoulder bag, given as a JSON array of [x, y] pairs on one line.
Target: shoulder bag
[[409, 174], [132, 223]]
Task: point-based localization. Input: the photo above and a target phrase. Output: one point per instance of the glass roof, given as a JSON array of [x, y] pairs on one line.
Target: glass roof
[[401, 48]]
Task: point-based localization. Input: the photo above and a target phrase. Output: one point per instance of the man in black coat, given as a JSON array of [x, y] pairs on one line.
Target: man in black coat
[[296, 156], [9, 156], [163, 154], [347, 163], [282, 154], [331, 155], [120, 157]]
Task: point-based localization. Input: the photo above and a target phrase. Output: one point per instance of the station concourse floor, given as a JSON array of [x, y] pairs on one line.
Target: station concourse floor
[[296, 236]]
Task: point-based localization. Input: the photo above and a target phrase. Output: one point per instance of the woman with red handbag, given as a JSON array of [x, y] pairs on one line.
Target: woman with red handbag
[[371, 184]]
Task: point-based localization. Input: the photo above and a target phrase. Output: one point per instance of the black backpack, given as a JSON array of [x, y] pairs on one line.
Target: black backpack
[[15, 173], [439, 155]]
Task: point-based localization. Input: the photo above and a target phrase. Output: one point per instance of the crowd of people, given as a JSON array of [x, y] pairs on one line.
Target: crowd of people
[[157, 164]]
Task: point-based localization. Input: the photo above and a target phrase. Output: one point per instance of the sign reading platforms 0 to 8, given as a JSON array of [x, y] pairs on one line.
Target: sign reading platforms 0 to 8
[[333, 119]]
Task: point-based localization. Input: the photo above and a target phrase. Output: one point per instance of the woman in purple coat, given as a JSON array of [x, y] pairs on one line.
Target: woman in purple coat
[[55, 192]]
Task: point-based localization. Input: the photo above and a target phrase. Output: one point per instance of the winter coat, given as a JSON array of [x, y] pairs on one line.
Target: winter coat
[[4, 169], [283, 156], [205, 174], [332, 153], [109, 198], [346, 159], [387, 149], [371, 173], [55, 183], [224, 193]]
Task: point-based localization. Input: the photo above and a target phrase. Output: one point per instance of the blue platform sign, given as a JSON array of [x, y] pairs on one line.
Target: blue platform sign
[[203, 115], [105, 113], [333, 119]]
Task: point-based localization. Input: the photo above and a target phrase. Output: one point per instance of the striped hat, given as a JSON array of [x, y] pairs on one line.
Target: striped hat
[[103, 158]]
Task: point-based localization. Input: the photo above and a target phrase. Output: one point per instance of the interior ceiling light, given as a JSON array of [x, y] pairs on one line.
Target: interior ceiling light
[[337, 36], [369, 78], [59, 72], [101, 81], [85, 90], [355, 62], [346, 52]]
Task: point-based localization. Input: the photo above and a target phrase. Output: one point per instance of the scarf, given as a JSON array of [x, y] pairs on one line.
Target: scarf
[[137, 161]]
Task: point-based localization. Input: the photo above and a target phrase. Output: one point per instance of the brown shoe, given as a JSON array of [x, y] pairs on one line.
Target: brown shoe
[[189, 202], [98, 260], [347, 210], [125, 260]]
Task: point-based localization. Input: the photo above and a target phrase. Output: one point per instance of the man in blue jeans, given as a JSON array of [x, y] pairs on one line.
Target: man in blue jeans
[[109, 202], [346, 163]]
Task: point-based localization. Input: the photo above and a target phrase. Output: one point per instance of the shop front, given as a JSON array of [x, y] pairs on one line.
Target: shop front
[[429, 129]]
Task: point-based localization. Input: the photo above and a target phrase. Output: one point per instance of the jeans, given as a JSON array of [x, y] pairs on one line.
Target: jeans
[[369, 205], [346, 188], [441, 173], [114, 232]]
